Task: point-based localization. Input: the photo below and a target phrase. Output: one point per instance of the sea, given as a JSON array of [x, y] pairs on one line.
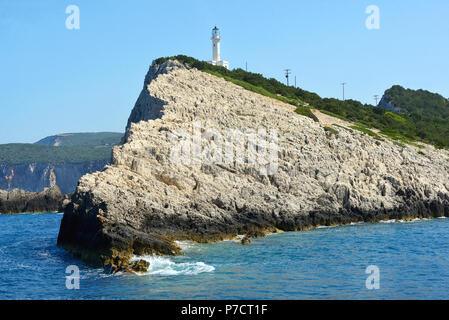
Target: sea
[[390, 260]]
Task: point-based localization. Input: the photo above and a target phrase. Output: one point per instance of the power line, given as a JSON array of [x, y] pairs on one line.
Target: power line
[[287, 73]]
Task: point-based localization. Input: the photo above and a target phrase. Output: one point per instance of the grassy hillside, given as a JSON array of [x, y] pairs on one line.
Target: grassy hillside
[[414, 124], [83, 139]]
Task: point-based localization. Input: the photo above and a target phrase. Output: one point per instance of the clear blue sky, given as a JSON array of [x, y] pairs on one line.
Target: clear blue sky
[[55, 80]]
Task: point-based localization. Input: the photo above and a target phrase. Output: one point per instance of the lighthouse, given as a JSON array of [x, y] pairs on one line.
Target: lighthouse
[[216, 59]]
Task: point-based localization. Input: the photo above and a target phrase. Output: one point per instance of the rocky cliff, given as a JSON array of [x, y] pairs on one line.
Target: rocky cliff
[[386, 103], [174, 177], [34, 177], [17, 201]]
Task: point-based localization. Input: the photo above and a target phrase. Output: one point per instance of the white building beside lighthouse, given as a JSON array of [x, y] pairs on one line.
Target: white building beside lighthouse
[[216, 59]]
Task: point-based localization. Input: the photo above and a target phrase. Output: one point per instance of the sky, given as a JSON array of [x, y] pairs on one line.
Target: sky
[[57, 80]]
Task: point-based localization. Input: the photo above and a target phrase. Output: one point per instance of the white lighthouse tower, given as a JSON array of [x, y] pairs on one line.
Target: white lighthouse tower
[[216, 59]]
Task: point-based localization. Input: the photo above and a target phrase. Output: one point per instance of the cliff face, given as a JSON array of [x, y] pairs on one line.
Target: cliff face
[[147, 107], [303, 175], [386, 103], [17, 201], [34, 177]]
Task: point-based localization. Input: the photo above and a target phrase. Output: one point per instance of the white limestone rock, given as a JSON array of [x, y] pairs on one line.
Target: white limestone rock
[[143, 200]]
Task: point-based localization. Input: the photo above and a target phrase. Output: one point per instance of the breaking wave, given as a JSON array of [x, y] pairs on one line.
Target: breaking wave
[[404, 221], [185, 245], [166, 267]]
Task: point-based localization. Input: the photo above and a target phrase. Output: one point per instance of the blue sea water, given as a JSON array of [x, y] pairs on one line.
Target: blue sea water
[[325, 263]]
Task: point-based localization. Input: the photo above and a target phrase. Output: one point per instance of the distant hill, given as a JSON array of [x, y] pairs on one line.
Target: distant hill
[[425, 115], [82, 139], [415, 101], [62, 148], [21, 153], [57, 160]]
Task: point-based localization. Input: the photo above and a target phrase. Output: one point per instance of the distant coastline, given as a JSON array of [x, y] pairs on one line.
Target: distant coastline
[[19, 201]]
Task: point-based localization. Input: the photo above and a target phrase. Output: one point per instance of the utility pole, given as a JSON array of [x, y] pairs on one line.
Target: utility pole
[[246, 66], [343, 85], [295, 81], [376, 97], [287, 73]]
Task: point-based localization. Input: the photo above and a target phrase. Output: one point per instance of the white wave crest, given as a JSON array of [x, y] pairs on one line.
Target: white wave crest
[[166, 267], [405, 221], [388, 221], [185, 245], [324, 227]]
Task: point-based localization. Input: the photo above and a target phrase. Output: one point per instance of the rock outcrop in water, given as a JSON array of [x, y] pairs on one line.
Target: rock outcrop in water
[[17, 201], [146, 199]]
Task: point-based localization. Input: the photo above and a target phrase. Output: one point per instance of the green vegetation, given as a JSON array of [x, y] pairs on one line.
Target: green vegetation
[[331, 130], [22, 153], [365, 130], [62, 148], [339, 126], [395, 117], [418, 102], [426, 114], [83, 139], [304, 111], [250, 81], [421, 115], [253, 88]]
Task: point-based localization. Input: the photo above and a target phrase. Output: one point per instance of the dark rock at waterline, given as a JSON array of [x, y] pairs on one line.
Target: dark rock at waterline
[[65, 202], [139, 266], [245, 240], [17, 201]]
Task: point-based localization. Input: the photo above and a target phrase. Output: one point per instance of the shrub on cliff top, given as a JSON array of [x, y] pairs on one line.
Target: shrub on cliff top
[[306, 112], [415, 124]]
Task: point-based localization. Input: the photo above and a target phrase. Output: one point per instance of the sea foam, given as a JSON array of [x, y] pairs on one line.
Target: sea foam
[[166, 267]]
